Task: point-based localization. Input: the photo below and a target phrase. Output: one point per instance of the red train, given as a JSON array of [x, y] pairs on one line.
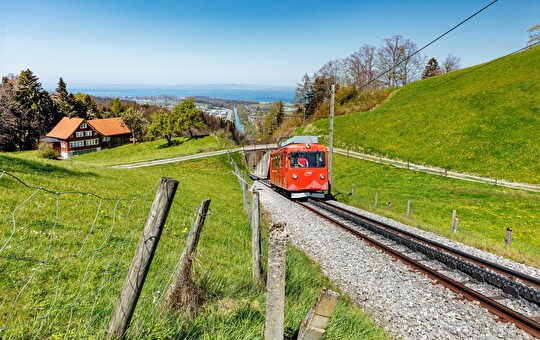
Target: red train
[[299, 168]]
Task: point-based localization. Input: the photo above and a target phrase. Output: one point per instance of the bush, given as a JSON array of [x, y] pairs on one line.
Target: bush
[[46, 150]]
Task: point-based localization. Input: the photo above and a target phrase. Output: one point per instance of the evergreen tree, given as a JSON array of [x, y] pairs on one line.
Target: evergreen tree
[[67, 103], [64, 102], [432, 69], [38, 113]]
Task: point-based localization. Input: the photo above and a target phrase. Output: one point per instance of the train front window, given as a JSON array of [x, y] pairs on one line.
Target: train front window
[[311, 159]]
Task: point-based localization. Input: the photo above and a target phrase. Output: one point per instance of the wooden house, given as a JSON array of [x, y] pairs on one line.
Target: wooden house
[[76, 136]]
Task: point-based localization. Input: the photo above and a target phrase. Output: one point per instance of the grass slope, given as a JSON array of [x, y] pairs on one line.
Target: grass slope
[[484, 210], [158, 149], [484, 120], [60, 277]]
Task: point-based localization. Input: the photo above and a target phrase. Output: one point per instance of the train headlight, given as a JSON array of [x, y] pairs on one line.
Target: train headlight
[[294, 176], [322, 176]]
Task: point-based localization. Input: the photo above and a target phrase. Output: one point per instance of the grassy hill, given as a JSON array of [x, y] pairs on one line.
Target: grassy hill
[[67, 242], [484, 119]]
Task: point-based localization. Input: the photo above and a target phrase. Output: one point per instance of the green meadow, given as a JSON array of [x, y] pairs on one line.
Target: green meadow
[[66, 244]]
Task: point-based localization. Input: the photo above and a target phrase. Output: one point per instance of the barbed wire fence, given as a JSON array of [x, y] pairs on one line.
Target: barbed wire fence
[[458, 222], [65, 255]]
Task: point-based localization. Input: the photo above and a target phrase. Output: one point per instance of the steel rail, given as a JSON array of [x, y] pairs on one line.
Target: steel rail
[[527, 324], [511, 273]]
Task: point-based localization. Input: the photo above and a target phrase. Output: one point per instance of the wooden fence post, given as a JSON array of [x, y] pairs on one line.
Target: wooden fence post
[[454, 221], [275, 297], [245, 188], [179, 291], [143, 258], [408, 208], [314, 325], [256, 244], [508, 239], [388, 206]]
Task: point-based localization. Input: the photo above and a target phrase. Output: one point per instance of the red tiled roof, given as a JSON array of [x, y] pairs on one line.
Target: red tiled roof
[[65, 127], [109, 126]]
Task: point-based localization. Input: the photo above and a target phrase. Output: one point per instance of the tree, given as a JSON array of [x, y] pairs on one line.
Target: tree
[[9, 109], [115, 107], [188, 116], [301, 96], [66, 104], [136, 121], [162, 126], [410, 67], [361, 67], [183, 118], [37, 115], [88, 104], [274, 118], [319, 92], [534, 34], [451, 63], [432, 69], [398, 61]]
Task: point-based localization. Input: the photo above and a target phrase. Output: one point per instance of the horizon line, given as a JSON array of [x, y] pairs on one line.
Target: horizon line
[[218, 85]]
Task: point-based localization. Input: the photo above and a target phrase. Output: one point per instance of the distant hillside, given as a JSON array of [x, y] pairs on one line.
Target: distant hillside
[[484, 119]]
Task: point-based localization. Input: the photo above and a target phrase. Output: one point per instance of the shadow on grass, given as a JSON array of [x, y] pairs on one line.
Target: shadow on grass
[[8, 163], [174, 142]]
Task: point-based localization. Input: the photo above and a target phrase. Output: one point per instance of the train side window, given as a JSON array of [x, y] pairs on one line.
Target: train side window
[[321, 160]]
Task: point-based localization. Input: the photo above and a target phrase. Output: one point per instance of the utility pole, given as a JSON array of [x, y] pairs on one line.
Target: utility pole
[[331, 151]]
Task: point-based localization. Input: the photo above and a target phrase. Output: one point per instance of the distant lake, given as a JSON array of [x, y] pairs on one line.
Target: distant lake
[[239, 92]]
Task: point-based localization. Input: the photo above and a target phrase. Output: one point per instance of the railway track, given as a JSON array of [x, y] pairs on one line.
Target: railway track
[[511, 282], [421, 254]]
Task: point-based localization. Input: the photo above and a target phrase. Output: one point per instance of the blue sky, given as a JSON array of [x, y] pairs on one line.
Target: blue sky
[[161, 43]]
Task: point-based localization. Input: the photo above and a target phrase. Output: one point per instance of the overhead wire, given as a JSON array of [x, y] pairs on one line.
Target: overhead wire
[[419, 50], [429, 44]]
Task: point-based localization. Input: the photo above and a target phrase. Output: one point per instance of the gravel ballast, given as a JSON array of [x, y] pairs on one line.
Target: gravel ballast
[[404, 302]]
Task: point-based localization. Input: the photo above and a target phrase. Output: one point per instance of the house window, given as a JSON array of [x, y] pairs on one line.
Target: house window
[[106, 139], [88, 133], [79, 134], [76, 144], [92, 141], [63, 145], [83, 125]]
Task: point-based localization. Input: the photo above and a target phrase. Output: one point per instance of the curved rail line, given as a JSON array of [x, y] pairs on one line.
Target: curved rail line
[[513, 282], [480, 269], [504, 313]]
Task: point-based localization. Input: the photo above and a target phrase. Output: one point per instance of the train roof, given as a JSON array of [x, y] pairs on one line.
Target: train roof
[[301, 140]]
